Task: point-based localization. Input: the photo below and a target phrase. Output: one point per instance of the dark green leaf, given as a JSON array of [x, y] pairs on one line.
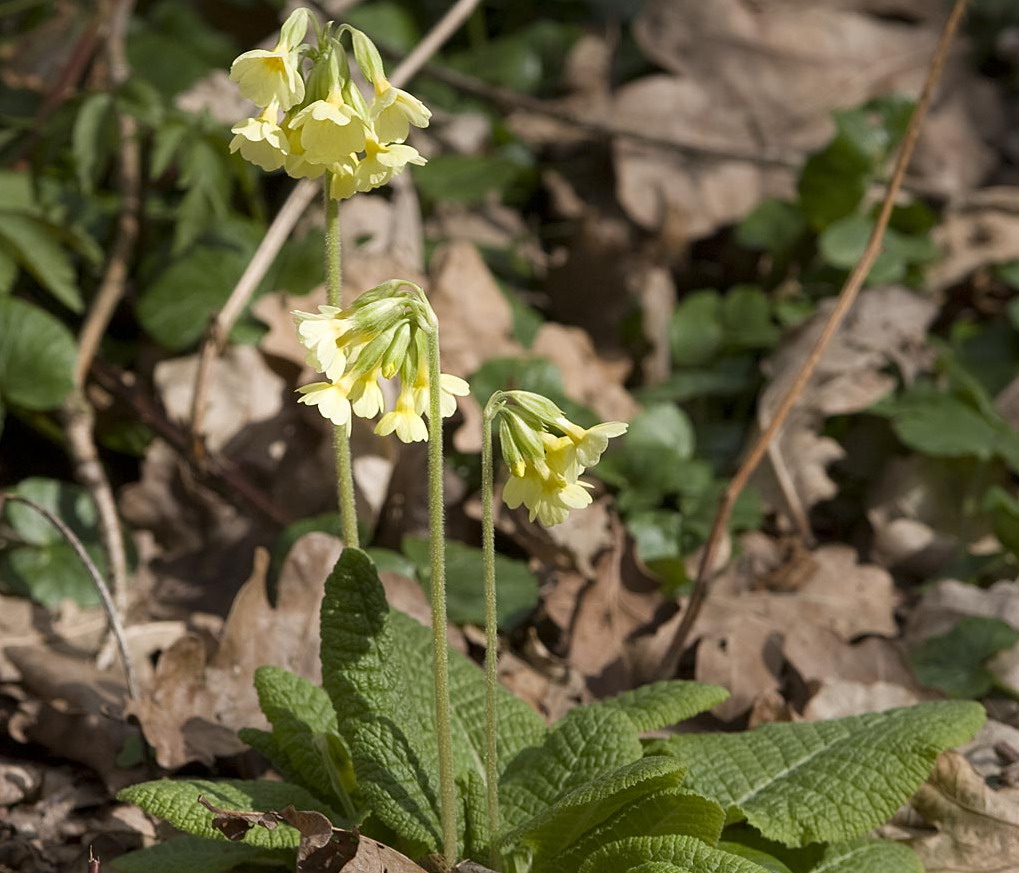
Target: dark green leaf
[[696, 332], [833, 182], [954, 662], [35, 245], [468, 178], [37, 355], [774, 226], [87, 141]]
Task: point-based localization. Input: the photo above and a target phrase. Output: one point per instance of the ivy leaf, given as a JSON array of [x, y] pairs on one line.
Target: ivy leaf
[[687, 853], [581, 747], [176, 800], [198, 855], [954, 662], [773, 774], [833, 182], [663, 704], [773, 225], [34, 244], [671, 811], [518, 587], [696, 331]]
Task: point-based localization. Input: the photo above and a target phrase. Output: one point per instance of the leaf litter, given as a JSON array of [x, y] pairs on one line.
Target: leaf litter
[[797, 633]]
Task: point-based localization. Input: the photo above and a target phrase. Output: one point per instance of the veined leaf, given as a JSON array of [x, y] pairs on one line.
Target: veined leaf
[[584, 745], [391, 738], [586, 807], [659, 813], [827, 781], [659, 867], [302, 717], [86, 138], [176, 800], [687, 853], [663, 704], [868, 856], [198, 855]]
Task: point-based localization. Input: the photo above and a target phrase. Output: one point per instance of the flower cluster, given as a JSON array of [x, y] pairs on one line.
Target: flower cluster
[[383, 334], [546, 454], [320, 122]]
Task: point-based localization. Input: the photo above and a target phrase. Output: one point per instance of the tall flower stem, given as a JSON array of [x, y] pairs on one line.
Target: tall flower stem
[[437, 553], [341, 435], [491, 625]]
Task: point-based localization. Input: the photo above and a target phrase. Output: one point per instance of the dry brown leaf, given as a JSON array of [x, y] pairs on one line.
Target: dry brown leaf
[[975, 231], [886, 326], [978, 827], [947, 601], [838, 698], [197, 702], [765, 77]]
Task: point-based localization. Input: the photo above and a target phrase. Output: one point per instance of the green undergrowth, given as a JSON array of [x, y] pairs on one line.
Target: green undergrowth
[[587, 794]]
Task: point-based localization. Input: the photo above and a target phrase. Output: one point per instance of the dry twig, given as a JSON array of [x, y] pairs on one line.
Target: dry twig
[[116, 628], [847, 296], [282, 225], [79, 417]]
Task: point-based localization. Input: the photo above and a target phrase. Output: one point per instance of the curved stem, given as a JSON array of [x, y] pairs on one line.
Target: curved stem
[[437, 553], [341, 435], [491, 629]]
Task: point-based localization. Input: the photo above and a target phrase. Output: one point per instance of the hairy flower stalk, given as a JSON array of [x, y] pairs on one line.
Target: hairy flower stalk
[[544, 470], [341, 433]]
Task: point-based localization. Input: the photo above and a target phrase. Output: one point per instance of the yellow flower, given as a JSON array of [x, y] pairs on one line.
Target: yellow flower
[[366, 395], [450, 387], [261, 140], [265, 76], [323, 335], [382, 162], [393, 111], [296, 162], [330, 130], [590, 443], [547, 498], [404, 420], [331, 398], [343, 182]]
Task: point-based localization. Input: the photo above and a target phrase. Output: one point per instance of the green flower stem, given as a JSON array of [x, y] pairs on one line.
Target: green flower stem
[[341, 435], [491, 626], [437, 553]]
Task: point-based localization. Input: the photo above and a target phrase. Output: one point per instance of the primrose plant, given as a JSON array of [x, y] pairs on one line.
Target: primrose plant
[[407, 748]]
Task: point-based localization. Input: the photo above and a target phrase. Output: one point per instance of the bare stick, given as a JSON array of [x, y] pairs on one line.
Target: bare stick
[[282, 225], [116, 628], [845, 300], [79, 418]]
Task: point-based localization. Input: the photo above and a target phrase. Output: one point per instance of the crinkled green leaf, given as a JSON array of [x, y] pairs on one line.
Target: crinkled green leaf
[[303, 718], [176, 800], [588, 806], [768, 862], [198, 855], [685, 852], [954, 662], [868, 856], [35, 245], [37, 355], [658, 867], [663, 704], [584, 745], [660, 813], [390, 735], [826, 781]]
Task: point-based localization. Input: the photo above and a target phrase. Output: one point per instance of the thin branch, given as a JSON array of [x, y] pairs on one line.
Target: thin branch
[[220, 474], [79, 417], [843, 304], [116, 628], [283, 224]]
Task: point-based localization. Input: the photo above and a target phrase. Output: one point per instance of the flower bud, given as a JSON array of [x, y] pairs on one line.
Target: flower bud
[[397, 351], [537, 405]]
